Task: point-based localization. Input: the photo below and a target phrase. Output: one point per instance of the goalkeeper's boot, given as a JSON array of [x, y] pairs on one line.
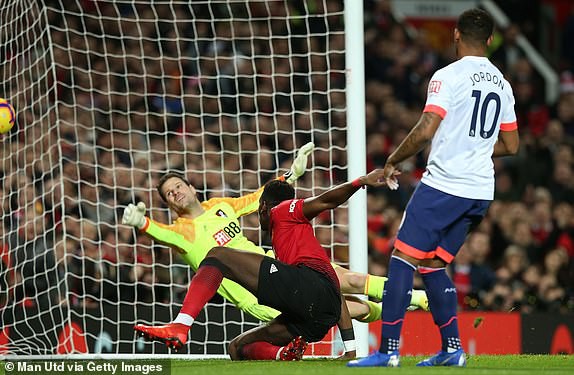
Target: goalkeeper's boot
[[419, 300], [457, 358], [294, 350], [174, 335], [377, 359]]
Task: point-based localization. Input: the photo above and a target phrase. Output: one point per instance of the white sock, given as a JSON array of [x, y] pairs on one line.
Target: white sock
[[453, 344], [184, 319]]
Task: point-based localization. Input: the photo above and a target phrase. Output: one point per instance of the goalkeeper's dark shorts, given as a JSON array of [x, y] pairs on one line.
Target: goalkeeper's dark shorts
[[310, 303]]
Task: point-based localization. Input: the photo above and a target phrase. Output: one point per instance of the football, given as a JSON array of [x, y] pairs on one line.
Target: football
[[7, 116]]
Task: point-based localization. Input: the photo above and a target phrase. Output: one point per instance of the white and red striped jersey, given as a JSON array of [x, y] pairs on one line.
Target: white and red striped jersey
[[475, 102]]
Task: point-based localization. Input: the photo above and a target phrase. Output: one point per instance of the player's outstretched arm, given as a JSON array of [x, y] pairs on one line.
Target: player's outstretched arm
[[333, 198], [419, 136], [299, 164]]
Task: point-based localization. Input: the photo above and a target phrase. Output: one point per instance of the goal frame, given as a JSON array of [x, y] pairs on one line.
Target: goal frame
[[356, 151]]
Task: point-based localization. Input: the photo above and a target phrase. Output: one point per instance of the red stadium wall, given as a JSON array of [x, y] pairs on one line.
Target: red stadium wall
[[97, 330], [481, 333], [495, 333]]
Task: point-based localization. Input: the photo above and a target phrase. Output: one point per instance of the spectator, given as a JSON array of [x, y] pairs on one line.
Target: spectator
[[470, 278], [509, 52], [508, 291], [562, 235], [567, 37], [531, 279]]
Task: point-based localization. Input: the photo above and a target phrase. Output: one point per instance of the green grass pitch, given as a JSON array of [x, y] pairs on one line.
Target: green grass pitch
[[479, 364]]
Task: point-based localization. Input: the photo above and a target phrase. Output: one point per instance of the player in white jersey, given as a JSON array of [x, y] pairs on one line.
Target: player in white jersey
[[475, 102], [469, 119]]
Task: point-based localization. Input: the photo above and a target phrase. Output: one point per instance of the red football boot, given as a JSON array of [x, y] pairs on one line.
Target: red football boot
[[294, 350], [174, 335]]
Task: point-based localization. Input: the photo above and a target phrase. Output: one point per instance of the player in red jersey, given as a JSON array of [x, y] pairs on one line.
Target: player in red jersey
[[300, 282]]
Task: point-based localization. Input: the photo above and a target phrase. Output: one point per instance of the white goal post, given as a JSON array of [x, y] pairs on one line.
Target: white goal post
[[109, 96]]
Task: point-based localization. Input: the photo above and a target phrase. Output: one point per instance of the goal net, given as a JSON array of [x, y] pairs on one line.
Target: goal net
[[110, 95]]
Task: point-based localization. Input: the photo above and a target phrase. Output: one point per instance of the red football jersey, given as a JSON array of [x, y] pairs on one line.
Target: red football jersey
[[294, 241]]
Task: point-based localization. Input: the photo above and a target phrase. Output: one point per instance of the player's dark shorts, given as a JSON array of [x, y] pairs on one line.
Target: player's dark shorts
[[435, 224], [309, 302]]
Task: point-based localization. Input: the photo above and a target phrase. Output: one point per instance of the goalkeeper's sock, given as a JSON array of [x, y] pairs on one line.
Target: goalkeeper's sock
[[397, 298], [441, 293], [203, 287], [260, 350], [374, 286], [374, 314]]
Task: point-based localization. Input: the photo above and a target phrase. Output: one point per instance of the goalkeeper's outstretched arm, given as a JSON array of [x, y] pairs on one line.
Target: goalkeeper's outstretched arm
[[249, 203], [299, 163], [134, 215]]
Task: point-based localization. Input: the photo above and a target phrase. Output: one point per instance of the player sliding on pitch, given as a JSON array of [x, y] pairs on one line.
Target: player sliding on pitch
[[220, 215], [301, 282]]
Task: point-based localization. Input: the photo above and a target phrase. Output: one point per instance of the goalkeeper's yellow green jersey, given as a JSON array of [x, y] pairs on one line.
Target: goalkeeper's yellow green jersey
[[217, 226]]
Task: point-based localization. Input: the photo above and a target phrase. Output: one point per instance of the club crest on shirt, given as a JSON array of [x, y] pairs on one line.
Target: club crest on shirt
[[434, 87], [221, 213], [221, 237]]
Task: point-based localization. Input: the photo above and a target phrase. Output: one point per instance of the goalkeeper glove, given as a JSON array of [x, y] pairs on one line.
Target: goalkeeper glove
[[299, 164], [134, 215]]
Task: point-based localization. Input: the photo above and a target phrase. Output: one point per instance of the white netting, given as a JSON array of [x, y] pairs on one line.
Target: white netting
[[112, 94]]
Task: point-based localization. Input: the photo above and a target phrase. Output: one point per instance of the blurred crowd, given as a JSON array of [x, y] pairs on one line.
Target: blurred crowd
[[227, 102]]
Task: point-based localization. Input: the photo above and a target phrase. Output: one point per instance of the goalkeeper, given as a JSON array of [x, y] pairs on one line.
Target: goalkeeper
[[200, 226]]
